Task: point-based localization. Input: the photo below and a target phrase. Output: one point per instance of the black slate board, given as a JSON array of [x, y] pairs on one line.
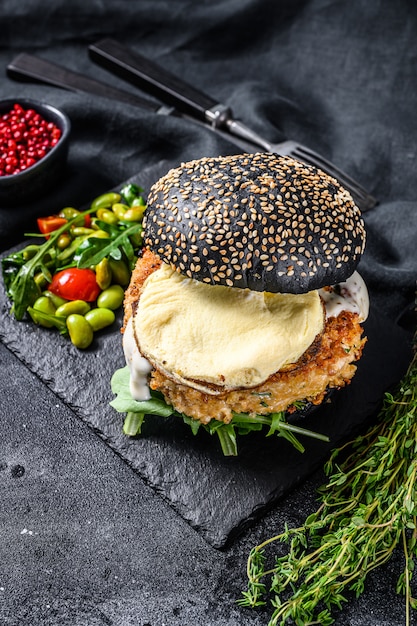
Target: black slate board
[[217, 496]]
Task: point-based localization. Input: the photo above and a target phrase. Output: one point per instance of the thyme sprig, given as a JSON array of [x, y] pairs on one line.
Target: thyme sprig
[[368, 508]]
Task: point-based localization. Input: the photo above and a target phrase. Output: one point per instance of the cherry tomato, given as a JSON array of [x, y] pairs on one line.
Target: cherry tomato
[[49, 224], [74, 283]]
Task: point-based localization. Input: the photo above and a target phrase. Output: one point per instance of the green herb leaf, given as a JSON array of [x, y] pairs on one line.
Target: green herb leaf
[[93, 250], [53, 320], [241, 423], [131, 193], [124, 403], [367, 510], [23, 289], [133, 424]]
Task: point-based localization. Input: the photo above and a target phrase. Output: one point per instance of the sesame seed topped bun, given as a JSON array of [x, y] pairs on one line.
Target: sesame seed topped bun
[[245, 306], [261, 222]]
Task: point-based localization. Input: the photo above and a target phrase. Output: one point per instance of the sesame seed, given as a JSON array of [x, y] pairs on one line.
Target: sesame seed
[[226, 209]]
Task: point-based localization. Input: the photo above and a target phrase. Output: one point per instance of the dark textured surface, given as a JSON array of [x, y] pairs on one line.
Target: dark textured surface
[[168, 457], [85, 542]]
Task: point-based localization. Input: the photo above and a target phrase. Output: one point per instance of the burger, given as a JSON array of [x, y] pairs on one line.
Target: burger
[[245, 306]]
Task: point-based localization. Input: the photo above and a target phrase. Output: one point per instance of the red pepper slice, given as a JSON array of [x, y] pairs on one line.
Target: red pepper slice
[[49, 224], [74, 283]]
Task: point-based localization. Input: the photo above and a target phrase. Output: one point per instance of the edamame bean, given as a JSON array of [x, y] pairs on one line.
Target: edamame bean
[[111, 298], [75, 306], [40, 281], [64, 241], [136, 239], [57, 300], [100, 318], [134, 214], [106, 200], [103, 273], [80, 331], [30, 251], [69, 212], [107, 216], [120, 272], [83, 230], [45, 305], [100, 234], [119, 210]]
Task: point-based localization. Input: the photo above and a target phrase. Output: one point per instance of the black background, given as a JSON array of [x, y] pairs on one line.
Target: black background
[[84, 540]]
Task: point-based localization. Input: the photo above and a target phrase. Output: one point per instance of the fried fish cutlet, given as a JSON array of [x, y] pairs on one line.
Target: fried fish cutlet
[[328, 363]]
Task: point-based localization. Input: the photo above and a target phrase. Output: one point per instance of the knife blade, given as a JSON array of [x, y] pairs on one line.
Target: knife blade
[[30, 67]]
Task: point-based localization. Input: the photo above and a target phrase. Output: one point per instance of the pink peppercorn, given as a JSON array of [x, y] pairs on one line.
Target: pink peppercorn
[[25, 138]]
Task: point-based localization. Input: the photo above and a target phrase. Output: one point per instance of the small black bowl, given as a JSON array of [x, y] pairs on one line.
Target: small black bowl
[[35, 181]]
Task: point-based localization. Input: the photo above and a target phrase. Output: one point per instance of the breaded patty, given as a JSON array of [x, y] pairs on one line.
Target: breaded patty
[[328, 363]]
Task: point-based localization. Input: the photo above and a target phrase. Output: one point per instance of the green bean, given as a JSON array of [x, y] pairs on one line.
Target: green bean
[[111, 298], [100, 318], [80, 331], [74, 306], [106, 200]]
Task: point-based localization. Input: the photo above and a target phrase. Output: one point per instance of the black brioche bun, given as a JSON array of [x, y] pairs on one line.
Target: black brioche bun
[[263, 222]]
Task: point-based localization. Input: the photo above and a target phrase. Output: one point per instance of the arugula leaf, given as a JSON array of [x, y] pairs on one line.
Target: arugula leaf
[[130, 193], [93, 249], [241, 423], [24, 290], [11, 266], [39, 317], [124, 403], [226, 434], [133, 424]]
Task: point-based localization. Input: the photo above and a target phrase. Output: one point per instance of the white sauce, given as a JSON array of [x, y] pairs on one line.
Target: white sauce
[[139, 367], [351, 295]]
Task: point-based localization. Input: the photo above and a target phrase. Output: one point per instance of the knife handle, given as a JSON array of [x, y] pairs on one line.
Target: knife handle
[[26, 66], [144, 73]]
